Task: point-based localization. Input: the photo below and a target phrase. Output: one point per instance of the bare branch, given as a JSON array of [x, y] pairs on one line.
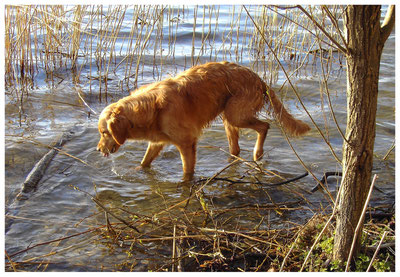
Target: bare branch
[[335, 23], [340, 47], [325, 82], [301, 26], [388, 23]]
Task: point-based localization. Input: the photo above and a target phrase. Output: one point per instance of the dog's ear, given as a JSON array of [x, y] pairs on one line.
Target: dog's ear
[[118, 125]]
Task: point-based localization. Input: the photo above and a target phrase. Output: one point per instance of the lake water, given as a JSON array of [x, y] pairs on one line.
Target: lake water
[[53, 106]]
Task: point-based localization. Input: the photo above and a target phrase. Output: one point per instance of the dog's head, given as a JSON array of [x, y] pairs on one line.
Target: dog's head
[[113, 128]]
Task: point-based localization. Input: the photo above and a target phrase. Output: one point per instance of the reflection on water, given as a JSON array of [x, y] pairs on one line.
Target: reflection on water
[[56, 209]]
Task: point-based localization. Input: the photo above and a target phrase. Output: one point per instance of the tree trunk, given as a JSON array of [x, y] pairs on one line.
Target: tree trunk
[[365, 40]]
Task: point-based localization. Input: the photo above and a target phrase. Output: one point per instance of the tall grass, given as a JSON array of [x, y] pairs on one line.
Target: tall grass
[[99, 44]]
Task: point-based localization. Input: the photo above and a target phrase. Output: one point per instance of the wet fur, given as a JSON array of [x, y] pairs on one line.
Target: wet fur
[[175, 111]]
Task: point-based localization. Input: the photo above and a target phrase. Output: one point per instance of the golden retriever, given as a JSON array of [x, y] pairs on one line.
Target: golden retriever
[[175, 111]]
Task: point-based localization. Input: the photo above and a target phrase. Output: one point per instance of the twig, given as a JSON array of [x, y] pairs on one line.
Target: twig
[[168, 238], [11, 262], [298, 24], [287, 255], [383, 246], [55, 240], [389, 151], [359, 224], [325, 82], [280, 205], [340, 47], [238, 234], [110, 229], [326, 224], [258, 182], [173, 249], [336, 24], [84, 102], [377, 250]]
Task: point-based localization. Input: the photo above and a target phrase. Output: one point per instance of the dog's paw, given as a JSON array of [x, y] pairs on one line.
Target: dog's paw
[[257, 155], [187, 177], [139, 168]]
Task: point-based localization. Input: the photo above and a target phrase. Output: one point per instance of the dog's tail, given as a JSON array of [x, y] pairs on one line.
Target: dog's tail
[[291, 125]]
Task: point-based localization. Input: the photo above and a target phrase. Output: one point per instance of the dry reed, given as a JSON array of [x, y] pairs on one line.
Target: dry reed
[[125, 40]]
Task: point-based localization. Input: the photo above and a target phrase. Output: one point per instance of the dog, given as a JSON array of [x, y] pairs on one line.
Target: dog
[[175, 111]]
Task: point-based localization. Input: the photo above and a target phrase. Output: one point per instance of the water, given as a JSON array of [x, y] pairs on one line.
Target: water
[[58, 210]]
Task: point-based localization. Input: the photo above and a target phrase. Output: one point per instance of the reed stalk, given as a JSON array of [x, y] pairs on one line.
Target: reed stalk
[[48, 38]]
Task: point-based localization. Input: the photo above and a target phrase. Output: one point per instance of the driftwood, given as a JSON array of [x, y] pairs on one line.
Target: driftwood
[[35, 175]]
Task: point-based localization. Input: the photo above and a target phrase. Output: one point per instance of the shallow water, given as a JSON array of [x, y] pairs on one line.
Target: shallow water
[[56, 209]]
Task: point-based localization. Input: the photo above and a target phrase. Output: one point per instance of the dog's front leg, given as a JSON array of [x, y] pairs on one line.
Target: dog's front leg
[[152, 152], [188, 156]]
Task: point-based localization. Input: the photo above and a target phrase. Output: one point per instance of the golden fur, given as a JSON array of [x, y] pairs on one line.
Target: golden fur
[[175, 111]]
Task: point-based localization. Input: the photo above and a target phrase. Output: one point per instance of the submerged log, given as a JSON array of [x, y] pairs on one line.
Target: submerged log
[[35, 175]]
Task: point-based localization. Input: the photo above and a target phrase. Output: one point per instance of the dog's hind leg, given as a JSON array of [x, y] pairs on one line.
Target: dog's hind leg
[[260, 127], [238, 115], [232, 134], [241, 110], [262, 130], [152, 152]]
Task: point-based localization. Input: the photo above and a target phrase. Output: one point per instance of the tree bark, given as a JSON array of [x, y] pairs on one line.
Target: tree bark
[[365, 40]]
